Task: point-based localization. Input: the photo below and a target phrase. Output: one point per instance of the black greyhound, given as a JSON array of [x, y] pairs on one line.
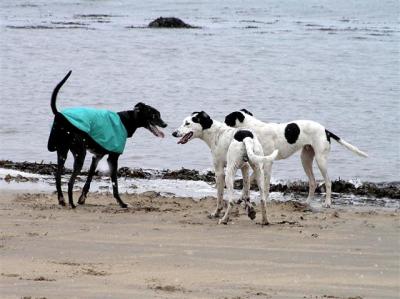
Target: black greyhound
[[66, 136]]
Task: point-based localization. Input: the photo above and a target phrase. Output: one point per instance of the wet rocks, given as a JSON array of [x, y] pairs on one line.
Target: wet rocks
[[38, 168], [188, 174], [170, 22], [19, 179], [133, 173]]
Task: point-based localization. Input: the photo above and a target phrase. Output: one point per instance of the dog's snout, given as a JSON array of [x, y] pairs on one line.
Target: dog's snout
[[175, 133]]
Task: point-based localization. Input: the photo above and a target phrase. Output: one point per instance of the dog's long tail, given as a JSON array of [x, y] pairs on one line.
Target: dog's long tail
[[347, 145], [55, 92], [249, 145]]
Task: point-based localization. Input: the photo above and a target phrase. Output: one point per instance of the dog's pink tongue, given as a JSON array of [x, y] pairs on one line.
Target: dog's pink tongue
[[157, 132], [160, 133]]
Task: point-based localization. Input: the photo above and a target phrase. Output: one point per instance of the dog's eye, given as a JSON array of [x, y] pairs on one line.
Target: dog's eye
[[187, 123]]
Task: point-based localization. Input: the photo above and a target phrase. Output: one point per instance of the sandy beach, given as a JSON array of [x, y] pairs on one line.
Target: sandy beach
[[167, 248]]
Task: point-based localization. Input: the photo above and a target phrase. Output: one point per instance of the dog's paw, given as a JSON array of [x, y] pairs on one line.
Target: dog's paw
[[72, 206], [82, 199], [223, 221], [62, 203], [327, 205], [123, 205], [263, 223], [212, 216], [251, 212]]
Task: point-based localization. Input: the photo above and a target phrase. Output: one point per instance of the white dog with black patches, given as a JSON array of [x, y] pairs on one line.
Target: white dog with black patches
[[233, 148], [309, 136]]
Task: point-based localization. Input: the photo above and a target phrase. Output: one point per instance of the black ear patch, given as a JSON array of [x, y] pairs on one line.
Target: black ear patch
[[139, 105], [242, 134], [247, 112], [292, 132], [230, 119], [203, 119]]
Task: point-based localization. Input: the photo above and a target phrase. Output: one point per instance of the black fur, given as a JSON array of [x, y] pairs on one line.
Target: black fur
[[247, 112], [292, 132], [230, 119], [65, 137], [329, 135], [242, 134], [203, 119]]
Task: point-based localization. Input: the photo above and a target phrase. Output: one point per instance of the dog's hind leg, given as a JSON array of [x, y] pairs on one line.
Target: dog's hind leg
[[307, 157], [79, 158], [61, 158], [322, 161], [251, 212], [86, 187], [229, 180], [246, 182], [259, 172], [113, 164]]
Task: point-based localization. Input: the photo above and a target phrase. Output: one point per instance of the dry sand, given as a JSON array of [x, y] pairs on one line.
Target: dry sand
[[168, 248]]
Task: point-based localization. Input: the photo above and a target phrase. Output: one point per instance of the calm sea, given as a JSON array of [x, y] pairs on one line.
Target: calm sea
[[335, 62]]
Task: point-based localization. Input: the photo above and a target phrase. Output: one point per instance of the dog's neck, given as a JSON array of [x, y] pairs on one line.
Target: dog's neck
[[212, 135], [252, 121], [129, 120]]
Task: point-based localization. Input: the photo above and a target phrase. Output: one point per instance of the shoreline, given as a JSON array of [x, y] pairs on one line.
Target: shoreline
[[389, 190], [163, 247]]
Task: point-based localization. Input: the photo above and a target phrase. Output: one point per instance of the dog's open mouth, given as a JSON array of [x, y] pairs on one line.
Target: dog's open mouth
[[185, 138], [156, 131]]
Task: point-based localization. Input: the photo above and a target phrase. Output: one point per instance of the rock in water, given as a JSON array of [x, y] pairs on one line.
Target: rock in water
[[169, 23]]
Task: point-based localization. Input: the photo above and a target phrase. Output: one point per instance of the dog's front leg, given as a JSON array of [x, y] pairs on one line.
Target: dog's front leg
[[113, 164], [95, 161], [220, 182]]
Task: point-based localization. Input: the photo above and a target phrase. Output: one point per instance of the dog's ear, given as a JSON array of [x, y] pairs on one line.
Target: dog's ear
[[230, 119], [139, 105], [247, 112], [203, 119]]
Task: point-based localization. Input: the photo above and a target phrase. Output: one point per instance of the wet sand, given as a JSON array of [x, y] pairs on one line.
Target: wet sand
[[168, 248]]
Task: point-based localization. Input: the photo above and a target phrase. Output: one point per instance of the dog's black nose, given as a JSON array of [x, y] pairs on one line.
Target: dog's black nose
[[175, 134]]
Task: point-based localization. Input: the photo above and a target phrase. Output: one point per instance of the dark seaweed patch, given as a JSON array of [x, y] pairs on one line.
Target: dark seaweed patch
[[370, 190]]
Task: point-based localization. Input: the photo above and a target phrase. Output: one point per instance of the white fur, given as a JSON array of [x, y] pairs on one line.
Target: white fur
[[226, 151], [312, 141]]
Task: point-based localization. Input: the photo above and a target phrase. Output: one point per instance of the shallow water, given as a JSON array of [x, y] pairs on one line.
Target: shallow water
[[333, 62], [180, 188]]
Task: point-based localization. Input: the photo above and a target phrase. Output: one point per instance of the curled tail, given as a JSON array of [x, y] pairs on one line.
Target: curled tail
[[347, 145], [55, 92], [249, 145]]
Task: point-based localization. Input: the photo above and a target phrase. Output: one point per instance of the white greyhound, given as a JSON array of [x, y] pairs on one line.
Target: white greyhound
[[288, 138], [233, 148]]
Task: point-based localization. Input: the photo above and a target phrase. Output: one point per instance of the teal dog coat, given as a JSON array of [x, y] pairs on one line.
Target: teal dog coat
[[104, 126]]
